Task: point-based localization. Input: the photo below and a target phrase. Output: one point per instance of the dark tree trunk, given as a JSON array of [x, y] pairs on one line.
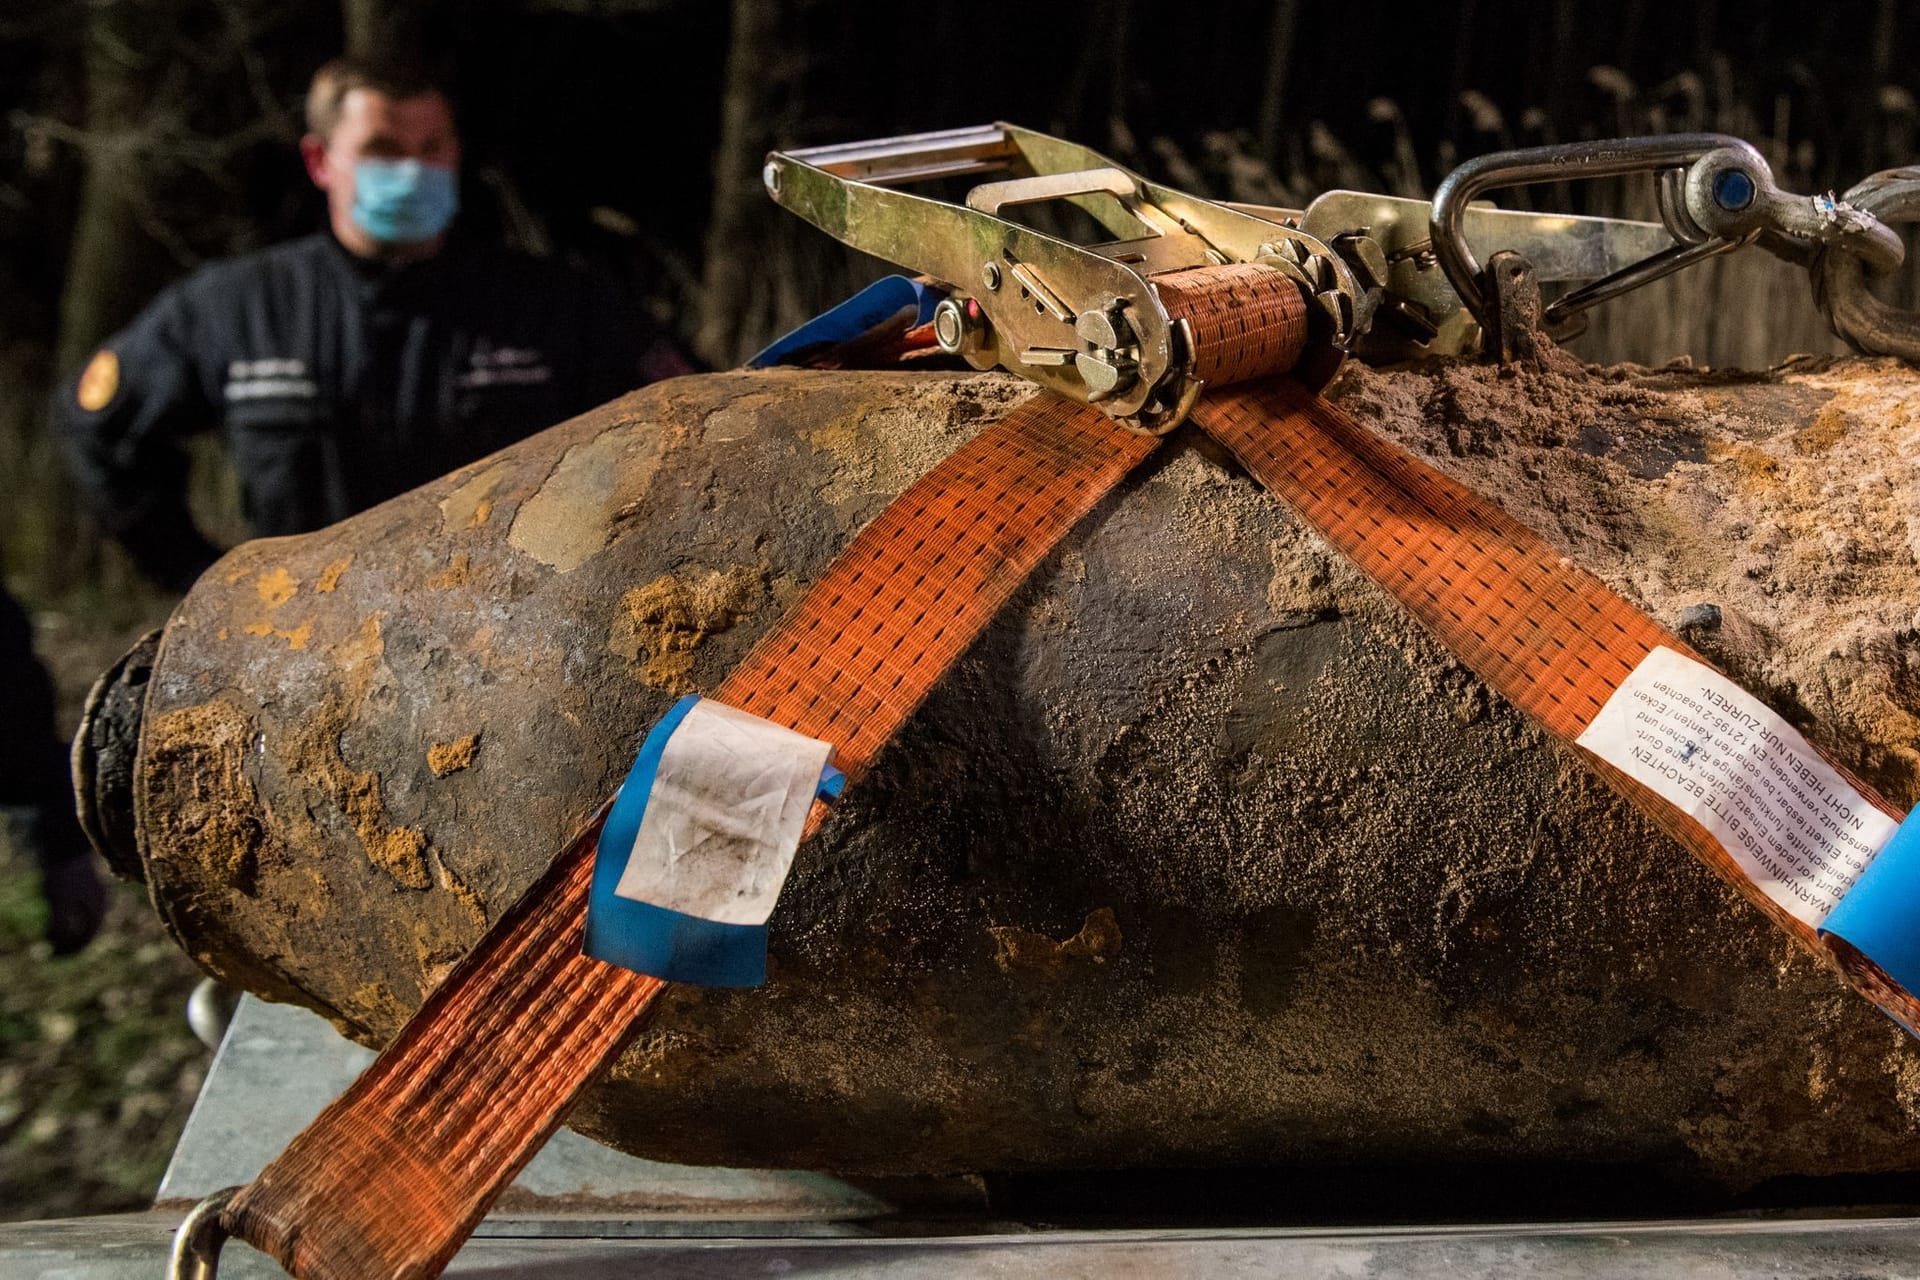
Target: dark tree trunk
[[752, 52], [386, 28], [756, 261], [115, 263], [1286, 19]]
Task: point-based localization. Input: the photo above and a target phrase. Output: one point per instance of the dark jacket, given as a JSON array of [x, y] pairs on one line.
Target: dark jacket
[[36, 795], [33, 761], [337, 384]]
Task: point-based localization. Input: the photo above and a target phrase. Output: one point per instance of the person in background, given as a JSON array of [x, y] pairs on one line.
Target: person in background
[[35, 793], [353, 364]]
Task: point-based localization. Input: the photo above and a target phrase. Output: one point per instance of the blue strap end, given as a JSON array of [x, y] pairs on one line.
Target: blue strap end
[[678, 947], [1880, 915], [832, 784], [864, 311], [657, 940]]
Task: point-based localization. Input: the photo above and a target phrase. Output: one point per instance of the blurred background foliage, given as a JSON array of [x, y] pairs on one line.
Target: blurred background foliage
[[140, 138]]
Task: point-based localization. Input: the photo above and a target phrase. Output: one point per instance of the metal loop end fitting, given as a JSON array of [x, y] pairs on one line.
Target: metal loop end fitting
[[196, 1245]]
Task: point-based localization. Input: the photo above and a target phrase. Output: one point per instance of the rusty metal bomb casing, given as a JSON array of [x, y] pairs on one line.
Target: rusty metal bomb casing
[[1205, 855]]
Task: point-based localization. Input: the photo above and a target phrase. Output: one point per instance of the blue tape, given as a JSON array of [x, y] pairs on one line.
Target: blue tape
[[676, 946], [872, 306], [832, 783], [1880, 915], [657, 940]]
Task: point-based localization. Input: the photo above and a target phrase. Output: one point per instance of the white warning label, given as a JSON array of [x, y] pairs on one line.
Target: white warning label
[[1718, 754]]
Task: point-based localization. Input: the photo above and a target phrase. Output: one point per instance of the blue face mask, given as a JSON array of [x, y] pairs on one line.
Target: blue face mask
[[403, 201]]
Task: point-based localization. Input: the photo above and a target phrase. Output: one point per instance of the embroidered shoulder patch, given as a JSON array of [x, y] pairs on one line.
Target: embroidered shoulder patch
[[99, 381]]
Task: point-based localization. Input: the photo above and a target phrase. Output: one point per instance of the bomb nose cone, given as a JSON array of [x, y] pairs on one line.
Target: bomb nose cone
[[103, 755]]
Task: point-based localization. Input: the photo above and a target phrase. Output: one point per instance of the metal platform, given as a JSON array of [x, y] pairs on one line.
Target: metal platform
[[134, 1247], [583, 1212], [279, 1065]]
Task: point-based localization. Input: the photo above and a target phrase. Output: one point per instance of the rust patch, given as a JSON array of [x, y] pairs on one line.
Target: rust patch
[[1753, 466], [296, 637], [570, 517], [330, 576], [1016, 948], [359, 659], [371, 1005], [454, 575], [451, 757], [461, 892], [1828, 428], [840, 437], [469, 505], [359, 656], [206, 812], [401, 852], [276, 587], [314, 755], [658, 626]]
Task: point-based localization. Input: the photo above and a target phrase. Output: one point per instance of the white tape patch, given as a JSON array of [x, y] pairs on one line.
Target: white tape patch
[[1718, 754], [724, 816]]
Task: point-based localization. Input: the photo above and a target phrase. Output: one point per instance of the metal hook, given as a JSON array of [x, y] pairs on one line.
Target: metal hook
[[196, 1245], [1611, 158], [1715, 194]]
